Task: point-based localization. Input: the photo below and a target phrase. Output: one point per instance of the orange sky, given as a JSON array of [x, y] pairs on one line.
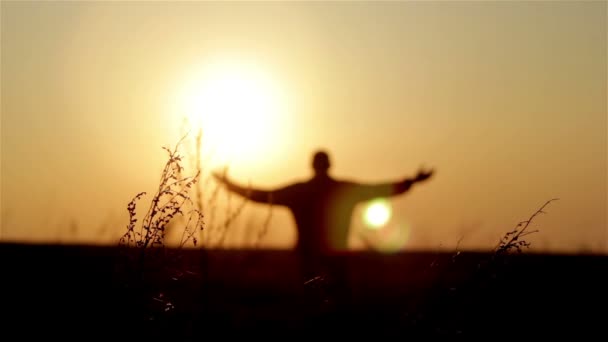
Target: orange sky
[[506, 100]]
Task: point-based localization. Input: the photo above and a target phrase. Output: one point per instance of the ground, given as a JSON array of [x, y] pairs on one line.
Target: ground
[[76, 291]]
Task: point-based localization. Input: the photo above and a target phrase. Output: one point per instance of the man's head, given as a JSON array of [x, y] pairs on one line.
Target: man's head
[[320, 163]]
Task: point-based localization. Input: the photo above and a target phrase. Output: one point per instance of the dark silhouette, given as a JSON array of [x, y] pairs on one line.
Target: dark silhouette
[[322, 206]]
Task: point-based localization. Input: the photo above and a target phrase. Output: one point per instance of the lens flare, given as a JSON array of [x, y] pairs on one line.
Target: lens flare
[[377, 213], [393, 237]]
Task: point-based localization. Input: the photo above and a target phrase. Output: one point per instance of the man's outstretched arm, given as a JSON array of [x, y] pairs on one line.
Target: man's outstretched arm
[[368, 192], [257, 195]]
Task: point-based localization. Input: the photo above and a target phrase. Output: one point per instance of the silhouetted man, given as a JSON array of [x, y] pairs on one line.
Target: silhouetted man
[[322, 206]]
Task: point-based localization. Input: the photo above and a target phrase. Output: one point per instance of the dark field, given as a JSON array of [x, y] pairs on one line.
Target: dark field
[[93, 292]]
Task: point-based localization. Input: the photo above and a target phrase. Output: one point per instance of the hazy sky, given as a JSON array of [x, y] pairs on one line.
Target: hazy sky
[[506, 100]]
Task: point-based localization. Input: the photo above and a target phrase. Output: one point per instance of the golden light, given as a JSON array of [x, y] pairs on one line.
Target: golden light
[[239, 108], [393, 237], [377, 213]]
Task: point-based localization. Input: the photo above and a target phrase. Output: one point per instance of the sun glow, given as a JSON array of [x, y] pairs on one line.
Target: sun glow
[[239, 108]]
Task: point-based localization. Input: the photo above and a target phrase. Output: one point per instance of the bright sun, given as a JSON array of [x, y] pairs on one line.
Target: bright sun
[[239, 108]]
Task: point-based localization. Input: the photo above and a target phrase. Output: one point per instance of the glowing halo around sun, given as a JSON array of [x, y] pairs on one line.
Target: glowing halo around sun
[[239, 108]]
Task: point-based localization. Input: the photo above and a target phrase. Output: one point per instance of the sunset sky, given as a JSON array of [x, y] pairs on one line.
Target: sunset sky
[[505, 100]]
